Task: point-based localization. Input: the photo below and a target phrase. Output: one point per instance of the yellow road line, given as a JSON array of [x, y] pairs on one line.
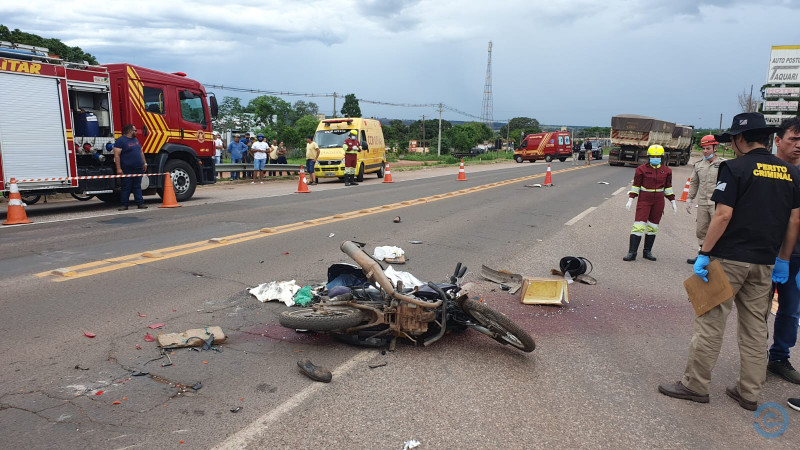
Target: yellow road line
[[121, 262]]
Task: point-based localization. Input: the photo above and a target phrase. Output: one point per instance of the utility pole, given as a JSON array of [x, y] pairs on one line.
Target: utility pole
[[750, 101], [423, 133], [720, 123], [334, 104], [439, 148], [508, 133]]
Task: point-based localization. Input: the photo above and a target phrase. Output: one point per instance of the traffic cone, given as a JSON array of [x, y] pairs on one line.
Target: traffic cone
[[548, 178], [685, 195], [462, 175], [302, 186], [16, 207], [169, 200], [387, 177]]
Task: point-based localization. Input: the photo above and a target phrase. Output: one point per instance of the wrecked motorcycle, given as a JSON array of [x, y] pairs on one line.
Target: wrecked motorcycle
[[375, 312]]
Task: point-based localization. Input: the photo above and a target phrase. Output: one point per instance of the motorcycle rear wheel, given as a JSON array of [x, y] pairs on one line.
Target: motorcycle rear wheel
[[506, 331], [329, 319]]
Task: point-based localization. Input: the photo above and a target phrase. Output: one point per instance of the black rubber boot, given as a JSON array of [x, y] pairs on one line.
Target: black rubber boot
[[648, 247], [633, 248], [347, 180], [353, 180]]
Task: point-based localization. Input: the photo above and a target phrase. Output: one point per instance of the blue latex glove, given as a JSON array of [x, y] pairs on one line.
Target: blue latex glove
[[780, 273], [700, 267]]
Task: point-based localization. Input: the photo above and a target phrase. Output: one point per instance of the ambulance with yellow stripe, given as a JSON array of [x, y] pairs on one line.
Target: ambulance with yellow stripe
[[547, 146], [59, 120], [330, 136]]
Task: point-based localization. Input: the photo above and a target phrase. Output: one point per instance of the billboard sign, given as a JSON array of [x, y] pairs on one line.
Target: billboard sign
[[784, 64], [774, 121], [780, 105], [781, 92]]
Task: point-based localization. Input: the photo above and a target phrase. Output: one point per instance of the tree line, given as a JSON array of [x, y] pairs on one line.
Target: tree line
[[54, 46]]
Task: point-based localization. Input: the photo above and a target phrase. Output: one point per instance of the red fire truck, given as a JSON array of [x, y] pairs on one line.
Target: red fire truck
[[59, 120]]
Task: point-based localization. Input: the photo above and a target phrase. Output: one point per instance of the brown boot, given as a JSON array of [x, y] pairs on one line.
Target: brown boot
[[316, 373], [733, 392], [678, 390]]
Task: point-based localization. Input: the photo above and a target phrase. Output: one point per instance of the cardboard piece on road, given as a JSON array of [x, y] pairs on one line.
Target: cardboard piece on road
[[171, 340], [705, 296], [513, 280], [544, 291]]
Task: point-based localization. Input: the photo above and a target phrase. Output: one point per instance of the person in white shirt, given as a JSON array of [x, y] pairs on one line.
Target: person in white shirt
[[259, 150], [218, 147]]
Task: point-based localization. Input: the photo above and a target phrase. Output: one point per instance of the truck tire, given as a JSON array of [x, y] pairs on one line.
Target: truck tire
[[518, 159], [382, 170], [184, 180], [360, 176], [562, 159], [548, 158]]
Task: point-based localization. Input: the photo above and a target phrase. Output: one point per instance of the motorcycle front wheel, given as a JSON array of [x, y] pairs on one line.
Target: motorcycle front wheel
[[327, 319], [499, 326]]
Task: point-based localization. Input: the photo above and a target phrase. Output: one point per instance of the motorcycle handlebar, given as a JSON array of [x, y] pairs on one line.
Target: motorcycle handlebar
[[375, 274]]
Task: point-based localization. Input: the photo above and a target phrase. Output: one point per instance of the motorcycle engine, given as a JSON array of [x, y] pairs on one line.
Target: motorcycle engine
[[413, 319]]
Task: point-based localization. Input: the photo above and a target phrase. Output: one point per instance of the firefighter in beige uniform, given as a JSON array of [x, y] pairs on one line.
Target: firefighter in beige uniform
[[701, 186]]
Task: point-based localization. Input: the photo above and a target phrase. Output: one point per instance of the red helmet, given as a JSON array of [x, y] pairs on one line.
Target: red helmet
[[708, 139]]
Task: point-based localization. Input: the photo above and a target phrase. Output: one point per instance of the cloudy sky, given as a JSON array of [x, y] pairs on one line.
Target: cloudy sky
[[565, 62]]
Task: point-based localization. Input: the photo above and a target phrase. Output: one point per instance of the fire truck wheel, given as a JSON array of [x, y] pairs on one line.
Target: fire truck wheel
[[518, 159], [184, 180], [81, 197], [108, 198], [562, 159], [548, 158], [30, 199]]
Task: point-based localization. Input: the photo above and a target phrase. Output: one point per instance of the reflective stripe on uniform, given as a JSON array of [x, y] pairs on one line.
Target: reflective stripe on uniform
[[634, 190], [638, 228], [654, 190], [652, 228], [668, 191]]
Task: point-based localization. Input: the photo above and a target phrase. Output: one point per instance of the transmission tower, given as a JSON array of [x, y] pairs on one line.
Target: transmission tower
[[487, 114]]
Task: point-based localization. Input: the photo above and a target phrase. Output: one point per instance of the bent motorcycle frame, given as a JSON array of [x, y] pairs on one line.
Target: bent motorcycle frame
[[405, 315]]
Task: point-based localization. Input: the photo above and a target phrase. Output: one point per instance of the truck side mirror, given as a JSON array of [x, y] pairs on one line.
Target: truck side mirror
[[214, 106]]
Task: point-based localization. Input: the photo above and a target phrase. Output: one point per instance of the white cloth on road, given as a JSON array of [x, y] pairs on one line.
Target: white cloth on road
[[282, 291], [387, 251], [408, 279]]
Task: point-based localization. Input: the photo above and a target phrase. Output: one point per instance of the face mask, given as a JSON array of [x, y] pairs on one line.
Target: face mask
[[655, 161], [708, 157]]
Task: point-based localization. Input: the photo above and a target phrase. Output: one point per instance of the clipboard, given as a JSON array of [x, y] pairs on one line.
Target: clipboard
[[706, 296]]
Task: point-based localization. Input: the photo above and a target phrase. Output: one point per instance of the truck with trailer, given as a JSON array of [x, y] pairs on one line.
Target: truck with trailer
[[547, 146], [631, 135], [59, 120]]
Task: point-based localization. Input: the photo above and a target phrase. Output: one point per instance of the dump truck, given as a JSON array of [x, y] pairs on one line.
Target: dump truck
[[631, 135]]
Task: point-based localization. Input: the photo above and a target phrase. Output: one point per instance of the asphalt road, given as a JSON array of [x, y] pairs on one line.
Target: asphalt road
[[591, 382]]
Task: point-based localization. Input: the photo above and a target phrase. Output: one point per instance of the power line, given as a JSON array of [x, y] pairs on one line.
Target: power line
[[337, 95]]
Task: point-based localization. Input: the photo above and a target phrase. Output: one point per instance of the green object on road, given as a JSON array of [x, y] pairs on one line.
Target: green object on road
[[303, 296]]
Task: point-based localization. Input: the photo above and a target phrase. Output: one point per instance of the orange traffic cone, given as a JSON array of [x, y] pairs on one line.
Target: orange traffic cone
[[387, 177], [548, 178], [16, 208], [168, 199], [302, 186], [462, 175], [685, 195]]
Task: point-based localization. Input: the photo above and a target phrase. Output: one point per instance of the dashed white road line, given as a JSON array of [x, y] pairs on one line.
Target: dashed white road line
[[619, 190], [580, 216], [251, 432]]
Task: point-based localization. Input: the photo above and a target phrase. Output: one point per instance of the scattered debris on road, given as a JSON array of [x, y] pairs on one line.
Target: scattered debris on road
[[282, 291], [331, 235], [140, 314], [503, 277], [196, 337], [89, 335], [140, 373], [603, 182], [304, 296], [149, 337], [415, 242], [537, 185], [236, 410], [396, 219], [376, 365], [411, 444], [197, 386], [390, 254], [156, 326], [544, 291], [407, 279], [77, 366], [316, 373]]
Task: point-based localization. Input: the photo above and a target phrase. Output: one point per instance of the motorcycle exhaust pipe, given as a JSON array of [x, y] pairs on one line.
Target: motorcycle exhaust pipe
[[375, 274]]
